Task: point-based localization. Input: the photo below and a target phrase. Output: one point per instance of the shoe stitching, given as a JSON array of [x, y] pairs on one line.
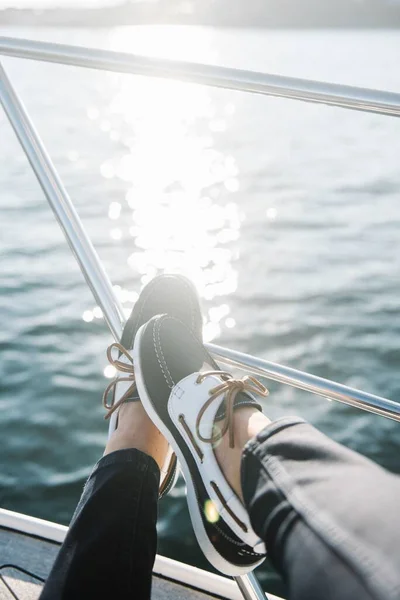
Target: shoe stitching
[[158, 328], [249, 402], [199, 342], [191, 437], [227, 507], [161, 361], [158, 325], [252, 553], [239, 544], [190, 295], [151, 290], [226, 536], [171, 482]]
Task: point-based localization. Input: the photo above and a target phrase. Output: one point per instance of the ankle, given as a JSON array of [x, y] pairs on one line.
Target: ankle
[[247, 423], [136, 430], [156, 447]]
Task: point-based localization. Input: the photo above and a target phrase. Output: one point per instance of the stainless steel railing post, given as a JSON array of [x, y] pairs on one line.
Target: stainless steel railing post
[[65, 213], [250, 588]]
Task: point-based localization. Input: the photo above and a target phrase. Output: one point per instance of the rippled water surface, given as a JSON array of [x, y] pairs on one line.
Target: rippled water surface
[[285, 215]]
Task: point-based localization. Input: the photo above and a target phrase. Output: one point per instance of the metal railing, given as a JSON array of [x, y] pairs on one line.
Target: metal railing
[[344, 96], [375, 101]]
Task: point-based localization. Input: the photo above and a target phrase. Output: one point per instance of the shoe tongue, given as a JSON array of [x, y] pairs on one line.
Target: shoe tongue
[[186, 355], [242, 399]]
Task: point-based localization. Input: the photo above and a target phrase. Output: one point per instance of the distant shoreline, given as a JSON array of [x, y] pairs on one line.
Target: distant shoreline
[[258, 14], [87, 25], [280, 27], [260, 27]]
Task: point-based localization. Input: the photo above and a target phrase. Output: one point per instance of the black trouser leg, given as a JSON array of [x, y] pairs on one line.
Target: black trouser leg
[[110, 547], [330, 518]]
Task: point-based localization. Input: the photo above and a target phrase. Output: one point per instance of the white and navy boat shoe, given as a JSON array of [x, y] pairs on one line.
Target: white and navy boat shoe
[[191, 401], [172, 294]]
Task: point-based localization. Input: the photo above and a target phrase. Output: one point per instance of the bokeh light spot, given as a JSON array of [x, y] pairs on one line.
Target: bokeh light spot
[[211, 512]]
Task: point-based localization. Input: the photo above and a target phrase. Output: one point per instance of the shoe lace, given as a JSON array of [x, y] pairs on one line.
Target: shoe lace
[[229, 389], [112, 406]]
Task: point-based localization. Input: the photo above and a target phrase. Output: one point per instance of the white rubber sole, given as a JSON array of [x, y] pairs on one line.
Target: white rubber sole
[[206, 546]]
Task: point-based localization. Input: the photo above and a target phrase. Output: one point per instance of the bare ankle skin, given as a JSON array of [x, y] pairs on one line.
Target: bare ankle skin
[[136, 430], [247, 422]]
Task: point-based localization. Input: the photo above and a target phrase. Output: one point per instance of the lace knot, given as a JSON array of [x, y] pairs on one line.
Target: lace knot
[[229, 389]]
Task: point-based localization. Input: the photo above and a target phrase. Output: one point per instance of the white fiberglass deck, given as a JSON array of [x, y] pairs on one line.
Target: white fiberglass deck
[[28, 547]]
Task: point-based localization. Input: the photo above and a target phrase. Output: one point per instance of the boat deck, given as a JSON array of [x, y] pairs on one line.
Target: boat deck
[[28, 547], [26, 561]]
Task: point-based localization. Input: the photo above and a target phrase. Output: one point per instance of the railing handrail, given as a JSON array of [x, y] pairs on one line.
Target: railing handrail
[[344, 96]]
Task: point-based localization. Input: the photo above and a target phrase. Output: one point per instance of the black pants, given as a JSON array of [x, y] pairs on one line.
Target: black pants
[[330, 519]]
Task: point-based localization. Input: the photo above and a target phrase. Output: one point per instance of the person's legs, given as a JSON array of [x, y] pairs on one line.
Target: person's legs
[[328, 516], [110, 547]]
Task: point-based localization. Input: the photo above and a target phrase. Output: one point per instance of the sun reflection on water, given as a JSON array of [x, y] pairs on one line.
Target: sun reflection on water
[[179, 212]]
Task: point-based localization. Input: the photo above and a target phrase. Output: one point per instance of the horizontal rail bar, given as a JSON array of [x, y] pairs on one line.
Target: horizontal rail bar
[[344, 96], [60, 202], [309, 383]]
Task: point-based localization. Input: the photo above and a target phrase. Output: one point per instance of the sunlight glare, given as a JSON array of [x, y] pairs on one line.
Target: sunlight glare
[[271, 213], [114, 210], [88, 316], [180, 213]]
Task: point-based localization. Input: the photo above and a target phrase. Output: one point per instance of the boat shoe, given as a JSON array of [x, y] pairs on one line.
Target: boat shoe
[[177, 296], [192, 401]]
